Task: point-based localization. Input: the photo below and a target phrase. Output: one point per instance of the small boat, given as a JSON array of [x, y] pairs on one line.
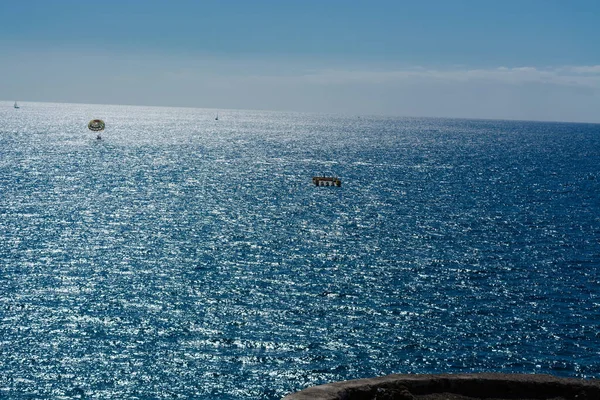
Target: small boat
[[217, 117], [16, 105], [326, 181]]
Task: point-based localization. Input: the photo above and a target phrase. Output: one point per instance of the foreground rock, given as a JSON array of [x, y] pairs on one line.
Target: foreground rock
[[455, 387]]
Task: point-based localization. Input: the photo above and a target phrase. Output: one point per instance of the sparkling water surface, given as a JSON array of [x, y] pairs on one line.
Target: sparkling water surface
[[183, 257]]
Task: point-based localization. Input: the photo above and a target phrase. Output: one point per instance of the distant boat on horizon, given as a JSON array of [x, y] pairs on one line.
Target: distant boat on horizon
[[217, 117], [16, 105]]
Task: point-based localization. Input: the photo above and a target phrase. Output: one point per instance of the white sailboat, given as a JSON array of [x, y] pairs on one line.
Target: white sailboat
[[16, 105], [217, 117]]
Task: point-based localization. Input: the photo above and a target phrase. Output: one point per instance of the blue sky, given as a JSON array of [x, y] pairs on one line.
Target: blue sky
[[527, 59]]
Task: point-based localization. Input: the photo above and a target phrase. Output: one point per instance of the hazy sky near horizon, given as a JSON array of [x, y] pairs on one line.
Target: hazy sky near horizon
[[514, 59]]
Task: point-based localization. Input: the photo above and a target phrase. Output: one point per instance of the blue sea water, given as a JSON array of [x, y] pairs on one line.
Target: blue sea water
[[183, 257]]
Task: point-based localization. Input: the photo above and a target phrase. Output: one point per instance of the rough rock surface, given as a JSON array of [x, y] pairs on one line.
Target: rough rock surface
[[455, 387]]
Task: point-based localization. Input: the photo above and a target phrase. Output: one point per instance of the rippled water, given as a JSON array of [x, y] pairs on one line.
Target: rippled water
[[183, 257]]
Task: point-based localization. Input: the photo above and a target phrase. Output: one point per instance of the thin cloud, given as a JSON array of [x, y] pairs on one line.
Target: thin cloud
[[592, 69], [584, 76], [568, 93]]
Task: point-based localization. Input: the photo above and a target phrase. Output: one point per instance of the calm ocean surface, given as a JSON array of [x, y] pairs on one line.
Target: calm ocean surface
[[183, 257]]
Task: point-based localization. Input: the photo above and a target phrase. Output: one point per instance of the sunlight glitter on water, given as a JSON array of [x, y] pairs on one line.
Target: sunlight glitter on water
[[182, 256]]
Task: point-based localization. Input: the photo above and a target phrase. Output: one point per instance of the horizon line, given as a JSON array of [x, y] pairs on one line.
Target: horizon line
[[341, 114]]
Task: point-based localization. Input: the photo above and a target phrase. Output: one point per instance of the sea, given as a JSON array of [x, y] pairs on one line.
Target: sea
[[184, 257]]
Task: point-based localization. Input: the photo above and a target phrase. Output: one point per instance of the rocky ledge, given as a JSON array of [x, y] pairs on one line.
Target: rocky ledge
[[455, 387]]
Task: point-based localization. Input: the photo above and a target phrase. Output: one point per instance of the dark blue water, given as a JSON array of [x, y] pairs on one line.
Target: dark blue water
[[183, 257]]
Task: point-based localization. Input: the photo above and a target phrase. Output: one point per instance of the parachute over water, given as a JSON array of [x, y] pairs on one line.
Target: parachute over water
[[96, 125]]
